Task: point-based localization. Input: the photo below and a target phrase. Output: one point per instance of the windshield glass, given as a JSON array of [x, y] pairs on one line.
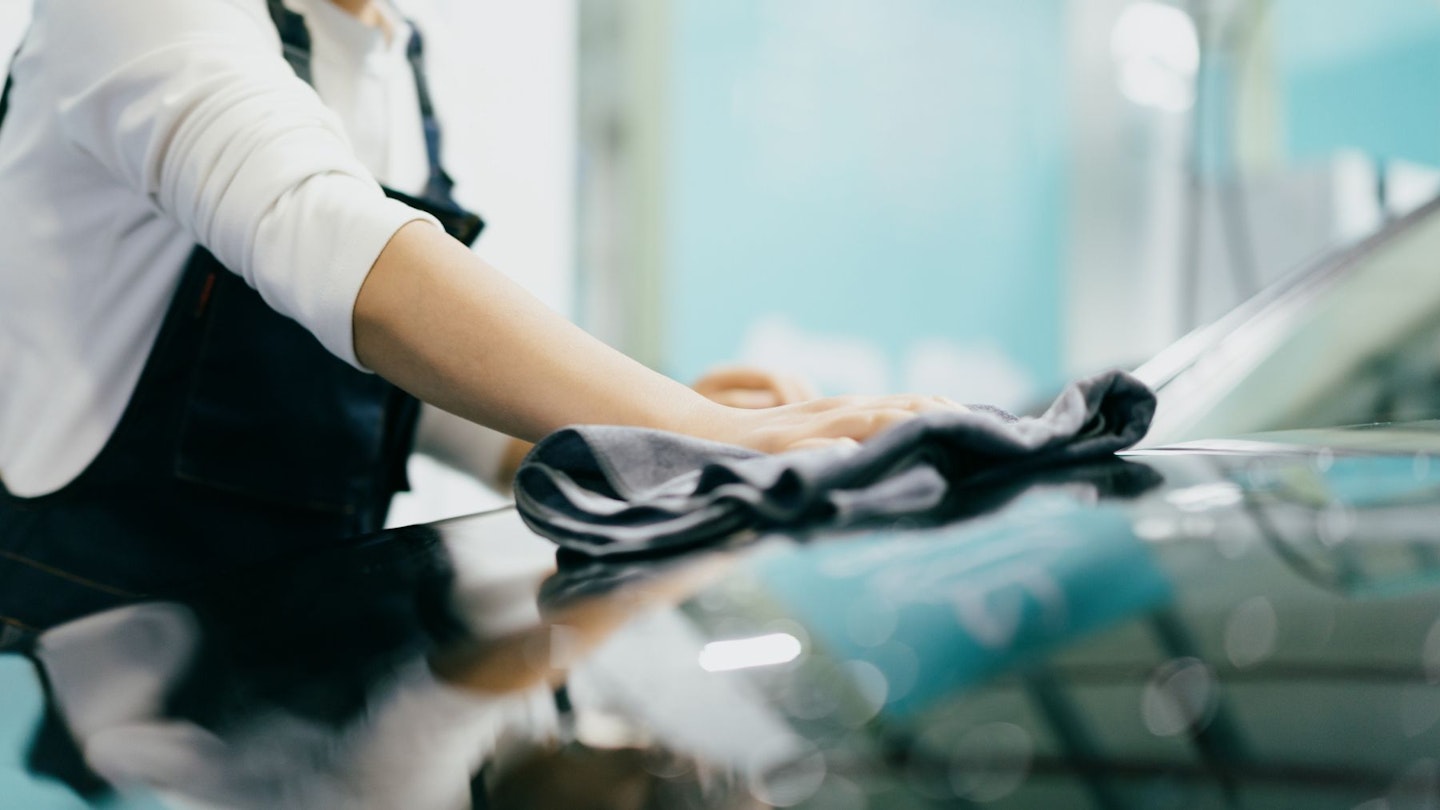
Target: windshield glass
[[1358, 344]]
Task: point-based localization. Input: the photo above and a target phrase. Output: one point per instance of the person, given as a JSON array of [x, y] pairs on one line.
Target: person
[[216, 325]]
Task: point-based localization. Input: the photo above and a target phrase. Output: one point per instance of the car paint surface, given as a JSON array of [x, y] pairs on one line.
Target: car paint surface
[[1243, 623]]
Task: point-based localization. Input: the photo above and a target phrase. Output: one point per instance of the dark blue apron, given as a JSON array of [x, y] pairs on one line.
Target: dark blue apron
[[244, 441]]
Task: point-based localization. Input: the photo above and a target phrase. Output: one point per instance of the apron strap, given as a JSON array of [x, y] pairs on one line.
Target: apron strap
[[9, 85], [440, 185], [5, 97], [295, 39]]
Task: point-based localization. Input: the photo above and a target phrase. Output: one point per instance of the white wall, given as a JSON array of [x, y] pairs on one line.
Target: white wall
[[504, 80], [14, 16]]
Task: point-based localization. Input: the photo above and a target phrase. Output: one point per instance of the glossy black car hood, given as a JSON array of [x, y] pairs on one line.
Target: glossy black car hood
[[1247, 623]]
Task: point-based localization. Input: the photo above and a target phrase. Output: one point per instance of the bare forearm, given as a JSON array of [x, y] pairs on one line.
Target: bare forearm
[[440, 323], [437, 321]]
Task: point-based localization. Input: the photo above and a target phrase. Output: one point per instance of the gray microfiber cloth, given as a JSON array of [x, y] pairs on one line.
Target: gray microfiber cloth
[[604, 491]]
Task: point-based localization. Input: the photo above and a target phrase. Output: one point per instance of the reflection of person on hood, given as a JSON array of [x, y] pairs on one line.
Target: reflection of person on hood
[[426, 726], [414, 744]]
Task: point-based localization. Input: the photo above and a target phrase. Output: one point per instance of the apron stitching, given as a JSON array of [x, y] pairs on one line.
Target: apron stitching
[[79, 580]]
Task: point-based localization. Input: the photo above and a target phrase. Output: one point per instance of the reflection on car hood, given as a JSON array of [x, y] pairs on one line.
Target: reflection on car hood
[[1250, 622]]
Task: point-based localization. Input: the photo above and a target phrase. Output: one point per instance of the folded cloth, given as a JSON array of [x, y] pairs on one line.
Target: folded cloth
[[605, 491]]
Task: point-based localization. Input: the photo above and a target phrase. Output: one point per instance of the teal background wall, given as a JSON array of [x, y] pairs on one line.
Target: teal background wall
[[891, 173], [1364, 75]]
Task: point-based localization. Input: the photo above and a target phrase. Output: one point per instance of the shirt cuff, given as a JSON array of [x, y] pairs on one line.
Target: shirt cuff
[[353, 260]]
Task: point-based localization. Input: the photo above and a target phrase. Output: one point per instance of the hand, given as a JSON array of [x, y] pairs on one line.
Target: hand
[[748, 387], [819, 422]]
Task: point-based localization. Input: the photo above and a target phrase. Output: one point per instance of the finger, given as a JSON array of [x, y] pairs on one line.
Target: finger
[[744, 398], [920, 404], [786, 389], [735, 377], [790, 389], [816, 442], [932, 404], [863, 423]]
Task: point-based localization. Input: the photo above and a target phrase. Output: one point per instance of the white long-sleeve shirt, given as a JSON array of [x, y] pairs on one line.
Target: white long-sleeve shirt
[[139, 129]]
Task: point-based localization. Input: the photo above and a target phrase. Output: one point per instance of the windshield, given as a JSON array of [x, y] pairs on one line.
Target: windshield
[[1357, 341]]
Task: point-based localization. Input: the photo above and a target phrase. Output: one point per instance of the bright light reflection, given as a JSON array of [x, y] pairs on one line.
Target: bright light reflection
[[1157, 54], [743, 653], [1203, 497]]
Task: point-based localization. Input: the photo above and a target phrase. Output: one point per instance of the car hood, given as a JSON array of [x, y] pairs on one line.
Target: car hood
[[1254, 620]]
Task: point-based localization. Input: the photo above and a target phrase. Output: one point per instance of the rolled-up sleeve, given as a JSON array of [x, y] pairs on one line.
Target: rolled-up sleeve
[[190, 104]]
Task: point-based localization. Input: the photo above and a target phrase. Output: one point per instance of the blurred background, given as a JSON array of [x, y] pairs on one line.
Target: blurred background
[[974, 198], [967, 197]]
